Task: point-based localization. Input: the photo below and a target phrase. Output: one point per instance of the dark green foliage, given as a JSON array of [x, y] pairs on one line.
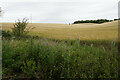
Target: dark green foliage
[[41, 58], [6, 34], [99, 21]]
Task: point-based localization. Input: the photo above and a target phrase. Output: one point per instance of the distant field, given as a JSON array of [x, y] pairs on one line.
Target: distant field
[[105, 31]]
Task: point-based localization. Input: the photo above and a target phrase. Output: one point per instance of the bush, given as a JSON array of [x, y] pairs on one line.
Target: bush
[[21, 28], [6, 34]]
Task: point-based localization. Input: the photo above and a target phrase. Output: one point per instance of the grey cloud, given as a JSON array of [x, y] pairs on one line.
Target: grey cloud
[[60, 12]]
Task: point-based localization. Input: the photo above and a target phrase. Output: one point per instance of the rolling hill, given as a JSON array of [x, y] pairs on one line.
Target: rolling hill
[[85, 31]]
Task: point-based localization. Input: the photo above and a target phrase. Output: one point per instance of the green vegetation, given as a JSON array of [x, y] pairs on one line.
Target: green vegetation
[[42, 58], [99, 21], [6, 34], [20, 28], [35, 57]]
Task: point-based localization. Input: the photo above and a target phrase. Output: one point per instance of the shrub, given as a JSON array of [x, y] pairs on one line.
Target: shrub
[[21, 28], [6, 34]]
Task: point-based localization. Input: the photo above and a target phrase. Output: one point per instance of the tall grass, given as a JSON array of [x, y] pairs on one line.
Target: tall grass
[[41, 58]]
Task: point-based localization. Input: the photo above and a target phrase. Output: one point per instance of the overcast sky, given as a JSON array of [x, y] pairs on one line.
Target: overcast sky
[[58, 11]]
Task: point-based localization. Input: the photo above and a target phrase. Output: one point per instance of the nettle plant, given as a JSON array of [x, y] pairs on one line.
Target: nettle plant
[[20, 28]]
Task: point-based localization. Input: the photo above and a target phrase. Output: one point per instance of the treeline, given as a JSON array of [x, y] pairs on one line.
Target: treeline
[[99, 21]]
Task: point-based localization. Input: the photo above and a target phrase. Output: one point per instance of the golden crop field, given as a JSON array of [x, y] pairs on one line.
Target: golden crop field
[[86, 31]]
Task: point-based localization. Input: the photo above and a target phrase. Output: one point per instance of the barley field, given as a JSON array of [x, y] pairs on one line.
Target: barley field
[[86, 31]]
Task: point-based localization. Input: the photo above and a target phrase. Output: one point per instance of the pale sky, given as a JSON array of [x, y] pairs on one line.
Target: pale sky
[[58, 11]]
